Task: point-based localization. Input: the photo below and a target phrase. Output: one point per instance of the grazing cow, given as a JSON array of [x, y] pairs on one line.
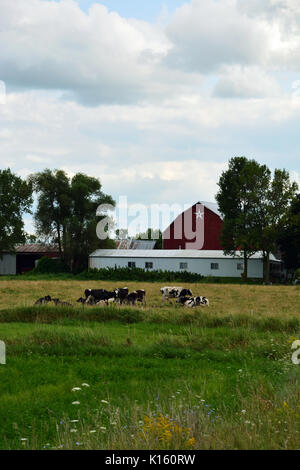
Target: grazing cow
[[121, 294], [97, 293], [43, 300], [100, 294], [132, 298], [141, 295], [185, 293], [174, 292]]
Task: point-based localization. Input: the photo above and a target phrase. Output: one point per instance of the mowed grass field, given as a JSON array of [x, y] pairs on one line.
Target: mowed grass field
[[154, 377]]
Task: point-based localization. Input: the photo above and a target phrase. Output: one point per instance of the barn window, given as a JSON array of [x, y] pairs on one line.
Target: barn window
[[149, 265], [214, 265], [240, 267], [131, 264], [183, 265]]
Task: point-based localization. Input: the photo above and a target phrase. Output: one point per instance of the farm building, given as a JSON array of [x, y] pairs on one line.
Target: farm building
[[28, 255], [202, 221], [132, 244], [204, 262]]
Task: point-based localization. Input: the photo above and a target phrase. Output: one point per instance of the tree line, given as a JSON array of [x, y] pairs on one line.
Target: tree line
[[261, 212]]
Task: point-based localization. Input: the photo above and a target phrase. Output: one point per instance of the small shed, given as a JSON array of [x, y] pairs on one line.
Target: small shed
[[28, 255]]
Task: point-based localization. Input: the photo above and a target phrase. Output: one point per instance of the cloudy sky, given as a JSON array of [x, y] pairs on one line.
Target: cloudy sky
[[151, 97]]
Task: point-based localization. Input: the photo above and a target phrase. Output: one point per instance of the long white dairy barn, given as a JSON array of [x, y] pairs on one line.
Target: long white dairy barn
[[207, 263]]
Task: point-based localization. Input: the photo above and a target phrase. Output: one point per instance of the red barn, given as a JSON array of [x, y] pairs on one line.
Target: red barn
[[197, 228]]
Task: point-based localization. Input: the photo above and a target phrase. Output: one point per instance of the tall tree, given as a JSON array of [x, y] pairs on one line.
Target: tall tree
[[272, 212], [15, 200], [289, 236], [54, 204], [80, 237], [67, 213], [242, 188]]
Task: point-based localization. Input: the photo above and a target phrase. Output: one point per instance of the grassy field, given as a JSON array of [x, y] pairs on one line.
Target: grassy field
[[159, 377]]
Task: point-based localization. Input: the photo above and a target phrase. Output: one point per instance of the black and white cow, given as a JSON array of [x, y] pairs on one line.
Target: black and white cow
[[121, 294], [141, 295], [174, 292], [199, 301], [97, 293], [43, 300], [131, 298]]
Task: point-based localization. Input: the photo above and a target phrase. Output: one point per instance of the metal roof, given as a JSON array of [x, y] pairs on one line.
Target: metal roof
[[143, 244], [213, 206], [37, 248], [200, 254], [135, 244]]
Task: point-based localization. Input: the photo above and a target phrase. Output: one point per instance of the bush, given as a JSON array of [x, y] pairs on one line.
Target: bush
[[297, 273], [50, 265], [138, 274]]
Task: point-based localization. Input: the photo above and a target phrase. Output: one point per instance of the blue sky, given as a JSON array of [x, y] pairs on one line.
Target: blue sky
[[153, 100], [140, 9]]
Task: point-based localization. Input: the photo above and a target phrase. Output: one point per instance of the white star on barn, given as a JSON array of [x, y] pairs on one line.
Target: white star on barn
[[199, 214]]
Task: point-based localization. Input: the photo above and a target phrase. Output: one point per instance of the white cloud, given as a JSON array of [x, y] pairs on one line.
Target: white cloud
[[207, 35], [165, 182], [246, 82], [158, 125], [98, 57]]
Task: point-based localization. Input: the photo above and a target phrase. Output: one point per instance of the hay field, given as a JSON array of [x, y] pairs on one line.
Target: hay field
[[154, 377], [260, 301]]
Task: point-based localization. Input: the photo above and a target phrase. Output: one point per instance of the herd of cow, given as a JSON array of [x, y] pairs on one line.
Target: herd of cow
[[102, 297]]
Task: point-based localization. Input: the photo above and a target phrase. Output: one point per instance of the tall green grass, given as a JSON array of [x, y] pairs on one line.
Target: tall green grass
[[128, 315]]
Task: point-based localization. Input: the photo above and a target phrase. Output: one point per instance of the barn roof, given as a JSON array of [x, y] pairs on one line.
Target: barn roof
[[136, 244], [200, 254], [36, 248], [213, 206]]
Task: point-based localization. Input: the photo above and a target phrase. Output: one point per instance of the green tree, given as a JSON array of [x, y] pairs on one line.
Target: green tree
[[242, 188], [54, 205], [66, 213], [15, 200], [273, 211], [289, 236], [81, 237]]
